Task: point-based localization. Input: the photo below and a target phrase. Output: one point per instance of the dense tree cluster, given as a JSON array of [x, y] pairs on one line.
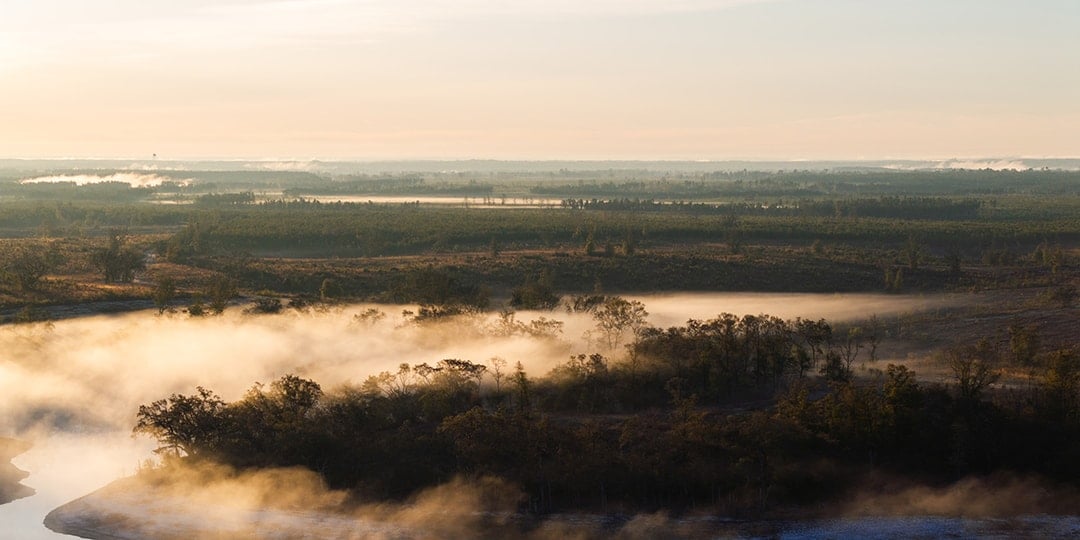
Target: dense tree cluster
[[25, 265], [569, 441], [117, 260], [346, 229]]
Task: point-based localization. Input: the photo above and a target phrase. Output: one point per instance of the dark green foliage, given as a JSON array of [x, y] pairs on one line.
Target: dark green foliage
[[419, 427], [164, 293], [722, 357], [117, 261], [913, 253], [1063, 296], [329, 290], [272, 426], [30, 314], [371, 230], [1023, 343], [440, 291], [972, 369], [898, 190], [219, 292], [535, 294], [615, 317], [24, 266], [587, 303], [1061, 384], [72, 216], [265, 306], [189, 425], [197, 308], [185, 244]]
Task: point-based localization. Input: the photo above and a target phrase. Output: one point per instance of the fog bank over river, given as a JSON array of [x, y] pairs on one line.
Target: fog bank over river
[[72, 388]]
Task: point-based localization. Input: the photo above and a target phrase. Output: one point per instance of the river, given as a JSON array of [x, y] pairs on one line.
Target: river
[[72, 387]]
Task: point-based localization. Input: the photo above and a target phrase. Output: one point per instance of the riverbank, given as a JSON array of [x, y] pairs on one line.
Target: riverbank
[[131, 509], [10, 475]]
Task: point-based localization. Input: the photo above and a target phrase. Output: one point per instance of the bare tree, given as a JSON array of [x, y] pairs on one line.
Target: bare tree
[[616, 316]]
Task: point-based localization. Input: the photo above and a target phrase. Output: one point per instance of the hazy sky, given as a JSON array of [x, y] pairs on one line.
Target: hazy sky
[[578, 79]]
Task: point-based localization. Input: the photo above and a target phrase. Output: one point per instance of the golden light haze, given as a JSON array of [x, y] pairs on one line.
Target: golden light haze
[[644, 79]]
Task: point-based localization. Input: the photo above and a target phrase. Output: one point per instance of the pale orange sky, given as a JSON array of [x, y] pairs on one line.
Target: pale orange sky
[[536, 79]]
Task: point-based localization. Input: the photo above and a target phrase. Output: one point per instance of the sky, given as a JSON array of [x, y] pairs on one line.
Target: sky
[[540, 79]]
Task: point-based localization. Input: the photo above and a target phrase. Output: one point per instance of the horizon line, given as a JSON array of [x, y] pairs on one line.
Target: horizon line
[[272, 159]]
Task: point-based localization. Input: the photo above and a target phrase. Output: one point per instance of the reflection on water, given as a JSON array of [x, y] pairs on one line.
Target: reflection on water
[[63, 467]]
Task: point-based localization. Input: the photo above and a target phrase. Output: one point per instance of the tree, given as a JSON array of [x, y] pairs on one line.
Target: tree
[[590, 245], [734, 241], [617, 315], [851, 346], [628, 244], [1023, 343], [1064, 296], [369, 317], [498, 364], [522, 390], [973, 376], [954, 260], [901, 388], [835, 368], [535, 294], [817, 336], [164, 293], [400, 384], [197, 308], [912, 252], [118, 262], [28, 265], [585, 303], [329, 290], [1061, 385], [465, 369], [894, 278], [873, 336], [544, 328], [267, 305], [296, 394], [219, 292], [275, 426], [187, 425]]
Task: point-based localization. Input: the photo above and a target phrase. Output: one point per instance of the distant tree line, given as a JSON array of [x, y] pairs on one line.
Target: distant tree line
[[936, 208]]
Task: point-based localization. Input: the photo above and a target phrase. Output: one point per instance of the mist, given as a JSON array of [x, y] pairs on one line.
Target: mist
[[72, 387], [93, 372], [997, 496], [212, 501], [675, 309], [134, 180]]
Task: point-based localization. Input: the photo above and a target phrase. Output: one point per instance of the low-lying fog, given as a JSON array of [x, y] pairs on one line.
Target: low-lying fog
[[135, 180], [72, 387]]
